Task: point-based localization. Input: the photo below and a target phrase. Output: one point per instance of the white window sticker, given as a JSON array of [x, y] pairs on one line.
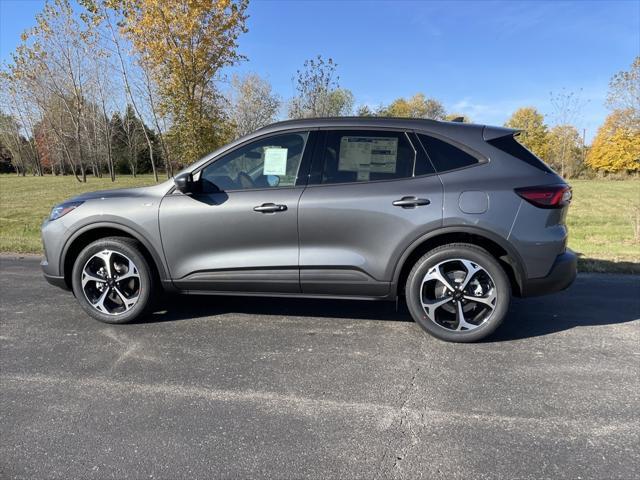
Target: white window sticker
[[275, 161], [370, 154]]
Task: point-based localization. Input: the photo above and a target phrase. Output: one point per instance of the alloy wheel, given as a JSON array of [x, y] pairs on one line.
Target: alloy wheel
[[458, 295], [111, 282]]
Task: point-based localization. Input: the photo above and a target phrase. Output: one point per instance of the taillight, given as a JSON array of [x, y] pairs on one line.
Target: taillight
[[551, 196]]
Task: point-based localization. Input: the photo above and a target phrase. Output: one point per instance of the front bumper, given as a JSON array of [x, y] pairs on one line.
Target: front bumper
[[53, 236], [56, 281], [563, 273]]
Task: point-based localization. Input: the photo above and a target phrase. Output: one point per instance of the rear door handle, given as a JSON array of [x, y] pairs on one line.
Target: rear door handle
[[411, 202], [270, 208]]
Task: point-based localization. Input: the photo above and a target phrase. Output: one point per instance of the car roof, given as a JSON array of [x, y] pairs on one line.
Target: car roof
[[455, 130], [391, 122]]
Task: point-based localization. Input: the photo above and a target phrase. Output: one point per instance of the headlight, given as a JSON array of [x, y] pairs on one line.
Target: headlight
[[62, 209]]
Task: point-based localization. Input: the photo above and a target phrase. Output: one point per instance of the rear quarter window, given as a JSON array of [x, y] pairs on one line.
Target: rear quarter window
[[513, 147], [446, 156]]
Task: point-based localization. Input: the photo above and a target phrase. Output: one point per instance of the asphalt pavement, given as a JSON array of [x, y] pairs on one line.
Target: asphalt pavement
[[232, 387]]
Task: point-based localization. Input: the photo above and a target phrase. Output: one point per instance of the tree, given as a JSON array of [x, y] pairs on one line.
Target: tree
[[253, 104], [565, 150], [417, 106], [124, 71], [108, 17], [14, 143], [5, 158], [340, 103], [535, 132], [185, 44], [567, 106], [624, 91], [318, 93], [128, 143], [365, 111], [53, 66], [23, 118], [616, 147]]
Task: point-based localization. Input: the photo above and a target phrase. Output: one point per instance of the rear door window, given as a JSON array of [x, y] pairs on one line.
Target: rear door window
[[446, 156], [350, 156]]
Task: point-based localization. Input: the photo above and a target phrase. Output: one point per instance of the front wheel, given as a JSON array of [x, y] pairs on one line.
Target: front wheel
[[458, 293], [113, 281]]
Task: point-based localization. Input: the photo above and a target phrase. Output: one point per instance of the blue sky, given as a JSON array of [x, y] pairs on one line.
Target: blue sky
[[481, 58]]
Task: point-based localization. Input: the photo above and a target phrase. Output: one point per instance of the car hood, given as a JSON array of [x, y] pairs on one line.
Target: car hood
[[138, 192]]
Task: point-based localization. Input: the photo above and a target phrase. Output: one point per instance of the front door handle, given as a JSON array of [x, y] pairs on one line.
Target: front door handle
[[270, 208], [411, 202]]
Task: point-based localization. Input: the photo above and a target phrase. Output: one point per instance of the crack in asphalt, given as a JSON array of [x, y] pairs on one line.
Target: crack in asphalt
[[398, 434], [311, 405]]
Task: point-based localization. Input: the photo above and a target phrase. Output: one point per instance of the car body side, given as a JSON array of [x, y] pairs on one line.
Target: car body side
[[475, 203]]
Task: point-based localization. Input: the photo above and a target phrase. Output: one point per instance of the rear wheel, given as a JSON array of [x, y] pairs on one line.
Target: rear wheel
[[458, 293], [113, 281]]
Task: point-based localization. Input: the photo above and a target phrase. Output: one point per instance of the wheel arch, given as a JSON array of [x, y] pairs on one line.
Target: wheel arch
[[497, 246], [95, 231]]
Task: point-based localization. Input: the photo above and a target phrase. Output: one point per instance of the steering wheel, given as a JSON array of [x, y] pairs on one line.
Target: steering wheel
[[245, 181]]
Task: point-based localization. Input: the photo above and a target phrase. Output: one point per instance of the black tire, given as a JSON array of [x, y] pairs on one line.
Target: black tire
[[146, 283], [489, 319]]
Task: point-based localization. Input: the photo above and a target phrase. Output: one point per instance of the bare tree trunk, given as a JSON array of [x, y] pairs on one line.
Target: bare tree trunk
[[80, 152], [38, 164], [125, 78], [163, 144], [107, 135], [112, 170], [71, 164], [132, 165]]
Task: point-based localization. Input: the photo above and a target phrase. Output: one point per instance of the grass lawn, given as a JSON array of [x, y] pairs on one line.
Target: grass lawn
[[600, 220], [26, 201], [600, 217]]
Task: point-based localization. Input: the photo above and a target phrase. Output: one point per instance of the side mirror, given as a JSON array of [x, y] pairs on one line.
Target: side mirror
[[184, 182]]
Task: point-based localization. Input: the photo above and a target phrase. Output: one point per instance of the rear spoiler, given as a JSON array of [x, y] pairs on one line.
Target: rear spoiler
[[491, 133]]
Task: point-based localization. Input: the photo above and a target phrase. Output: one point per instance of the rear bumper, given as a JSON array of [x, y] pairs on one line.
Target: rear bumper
[[562, 274]]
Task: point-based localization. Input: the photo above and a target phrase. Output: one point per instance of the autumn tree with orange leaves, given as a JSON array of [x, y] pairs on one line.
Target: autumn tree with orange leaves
[[186, 44], [616, 147]]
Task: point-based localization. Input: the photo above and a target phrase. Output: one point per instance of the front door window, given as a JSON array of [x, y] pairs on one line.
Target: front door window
[[267, 163]]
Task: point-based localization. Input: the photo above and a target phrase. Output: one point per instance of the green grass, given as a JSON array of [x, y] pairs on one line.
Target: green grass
[[601, 222], [600, 217], [26, 201]]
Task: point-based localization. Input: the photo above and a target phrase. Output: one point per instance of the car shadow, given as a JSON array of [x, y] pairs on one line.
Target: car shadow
[[593, 300], [185, 307]]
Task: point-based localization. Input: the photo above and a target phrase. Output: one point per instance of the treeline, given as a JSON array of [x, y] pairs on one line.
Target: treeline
[[138, 86], [112, 86]]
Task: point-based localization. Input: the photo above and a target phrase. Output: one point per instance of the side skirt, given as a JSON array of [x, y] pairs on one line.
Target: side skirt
[[286, 295]]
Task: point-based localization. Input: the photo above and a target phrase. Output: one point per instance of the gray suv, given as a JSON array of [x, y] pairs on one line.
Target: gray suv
[[456, 218]]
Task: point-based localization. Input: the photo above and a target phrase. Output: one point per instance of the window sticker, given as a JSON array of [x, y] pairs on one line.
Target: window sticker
[[368, 154], [275, 161]]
